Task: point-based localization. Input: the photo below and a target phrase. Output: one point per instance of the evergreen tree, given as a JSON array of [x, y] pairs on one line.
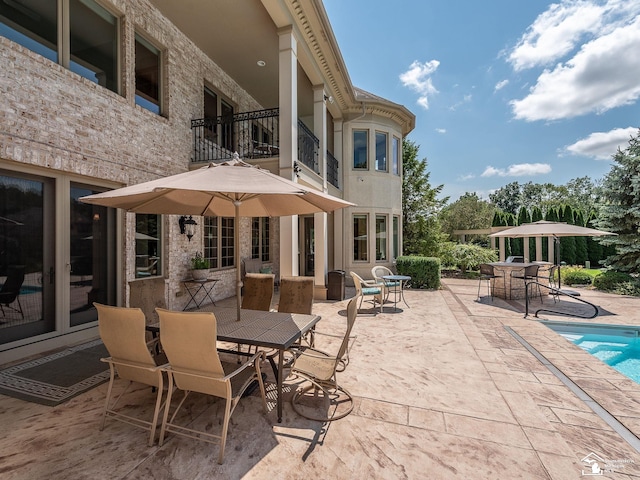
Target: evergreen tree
[[421, 230], [620, 211]]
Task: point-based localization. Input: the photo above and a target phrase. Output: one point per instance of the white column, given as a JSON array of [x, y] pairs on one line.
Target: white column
[[502, 249], [551, 257], [288, 91], [538, 249], [525, 245], [321, 248]]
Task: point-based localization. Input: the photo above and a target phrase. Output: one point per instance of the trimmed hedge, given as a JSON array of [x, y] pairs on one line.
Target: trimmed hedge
[[576, 277], [424, 271]]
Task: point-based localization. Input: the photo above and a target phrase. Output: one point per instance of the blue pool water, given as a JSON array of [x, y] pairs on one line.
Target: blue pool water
[[26, 289], [617, 346]]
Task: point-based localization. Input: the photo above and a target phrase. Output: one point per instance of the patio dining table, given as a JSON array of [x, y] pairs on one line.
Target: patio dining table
[[274, 330]]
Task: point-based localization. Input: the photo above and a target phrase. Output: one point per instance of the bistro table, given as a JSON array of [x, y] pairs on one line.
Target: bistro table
[[194, 287], [260, 328], [395, 284]]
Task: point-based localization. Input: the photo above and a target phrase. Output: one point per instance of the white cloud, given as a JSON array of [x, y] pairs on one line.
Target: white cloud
[[602, 75], [418, 78], [501, 84], [518, 170], [464, 178], [441, 130], [602, 145], [555, 33]]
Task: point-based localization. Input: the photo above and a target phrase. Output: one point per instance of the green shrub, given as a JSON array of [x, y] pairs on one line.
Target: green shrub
[[466, 256], [576, 277], [424, 271], [609, 280], [628, 288]]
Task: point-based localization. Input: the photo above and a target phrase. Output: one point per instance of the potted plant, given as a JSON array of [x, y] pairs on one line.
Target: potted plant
[[199, 267]]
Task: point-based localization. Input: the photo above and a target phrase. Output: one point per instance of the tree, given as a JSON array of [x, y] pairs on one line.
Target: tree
[[421, 230], [620, 208], [507, 198], [469, 212]]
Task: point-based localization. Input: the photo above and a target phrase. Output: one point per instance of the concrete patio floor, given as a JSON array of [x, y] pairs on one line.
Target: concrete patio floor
[[442, 391]]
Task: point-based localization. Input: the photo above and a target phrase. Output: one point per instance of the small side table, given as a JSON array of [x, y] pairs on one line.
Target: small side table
[[395, 284], [194, 287]]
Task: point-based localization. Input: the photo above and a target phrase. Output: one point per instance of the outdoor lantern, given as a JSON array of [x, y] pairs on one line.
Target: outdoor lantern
[[187, 226]]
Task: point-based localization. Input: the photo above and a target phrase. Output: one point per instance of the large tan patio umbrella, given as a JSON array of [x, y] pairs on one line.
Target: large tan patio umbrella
[[544, 228], [229, 189]]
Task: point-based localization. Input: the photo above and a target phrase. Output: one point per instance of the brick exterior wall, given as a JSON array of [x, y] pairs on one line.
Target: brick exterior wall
[[53, 119]]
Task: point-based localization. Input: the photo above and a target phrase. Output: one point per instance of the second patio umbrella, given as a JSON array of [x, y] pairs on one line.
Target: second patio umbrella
[[544, 228], [229, 189]]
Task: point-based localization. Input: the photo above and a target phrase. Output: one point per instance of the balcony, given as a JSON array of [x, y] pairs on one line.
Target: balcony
[[254, 135]]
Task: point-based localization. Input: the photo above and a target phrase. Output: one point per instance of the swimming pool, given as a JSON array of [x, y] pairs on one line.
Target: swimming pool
[[615, 345]]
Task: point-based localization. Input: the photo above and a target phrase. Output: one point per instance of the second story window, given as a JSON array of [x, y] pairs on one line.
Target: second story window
[[93, 43], [395, 159], [381, 152], [360, 149], [148, 75], [81, 35]]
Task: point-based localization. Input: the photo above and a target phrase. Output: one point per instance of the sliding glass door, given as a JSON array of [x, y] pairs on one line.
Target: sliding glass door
[[27, 252]]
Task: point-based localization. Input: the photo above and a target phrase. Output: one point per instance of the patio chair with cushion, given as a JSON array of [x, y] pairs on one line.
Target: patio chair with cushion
[[122, 331], [367, 289], [258, 291], [296, 295], [388, 285], [189, 341], [319, 369]]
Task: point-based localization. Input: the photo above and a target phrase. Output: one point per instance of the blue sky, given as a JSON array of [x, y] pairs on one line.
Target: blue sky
[[502, 90]]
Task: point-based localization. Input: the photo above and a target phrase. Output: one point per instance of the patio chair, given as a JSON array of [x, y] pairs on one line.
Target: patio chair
[[10, 291], [319, 369], [527, 274], [488, 273], [296, 295], [122, 331], [189, 341], [378, 272], [367, 289], [258, 291]]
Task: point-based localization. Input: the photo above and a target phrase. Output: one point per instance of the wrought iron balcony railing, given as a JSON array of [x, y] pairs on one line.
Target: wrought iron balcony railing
[[254, 135], [251, 134]]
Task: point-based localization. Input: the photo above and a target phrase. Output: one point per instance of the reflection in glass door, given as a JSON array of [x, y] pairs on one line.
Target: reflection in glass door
[[92, 249], [27, 248]]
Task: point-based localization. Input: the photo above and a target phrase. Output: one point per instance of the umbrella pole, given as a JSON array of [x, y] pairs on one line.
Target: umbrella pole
[[236, 241], [557, 242]]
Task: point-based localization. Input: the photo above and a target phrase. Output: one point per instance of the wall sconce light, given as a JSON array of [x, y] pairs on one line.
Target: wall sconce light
[[296, 169], [187, 226], [328, 98]]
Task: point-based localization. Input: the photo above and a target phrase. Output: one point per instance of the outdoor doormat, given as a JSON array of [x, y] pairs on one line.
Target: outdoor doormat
[[58, 377]]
